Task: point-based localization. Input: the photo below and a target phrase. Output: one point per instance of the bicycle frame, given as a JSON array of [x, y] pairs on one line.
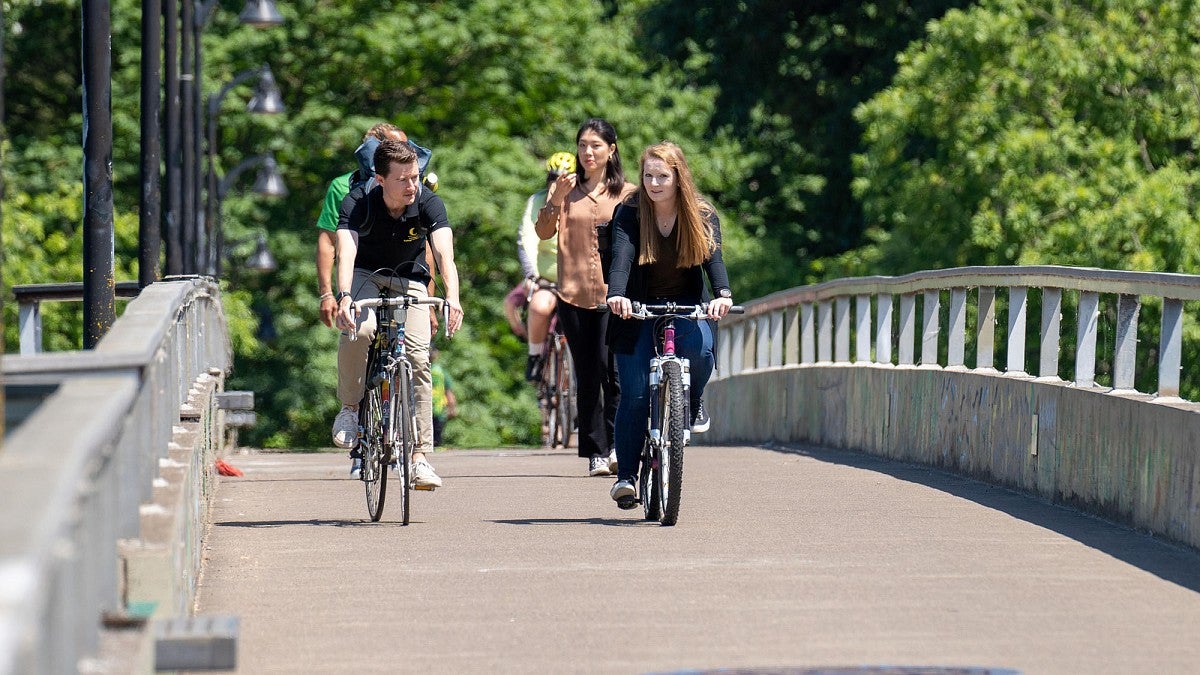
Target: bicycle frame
[[556, 390], [668, 430], [390, 379]]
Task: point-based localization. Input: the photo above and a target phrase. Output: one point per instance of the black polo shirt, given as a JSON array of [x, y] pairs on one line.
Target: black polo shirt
[[390, 244]]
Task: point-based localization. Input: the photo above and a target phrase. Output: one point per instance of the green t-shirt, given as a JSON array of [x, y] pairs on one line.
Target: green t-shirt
[[441, 383], [338, 189]]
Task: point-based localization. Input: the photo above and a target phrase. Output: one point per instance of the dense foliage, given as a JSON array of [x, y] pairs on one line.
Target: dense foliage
[[873, 137]]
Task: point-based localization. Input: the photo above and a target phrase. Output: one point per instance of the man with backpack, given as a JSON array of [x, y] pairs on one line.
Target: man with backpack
[[383, 229], [338, 188]]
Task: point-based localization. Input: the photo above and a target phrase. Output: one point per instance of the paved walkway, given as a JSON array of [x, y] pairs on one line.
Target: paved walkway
[[799, 558]]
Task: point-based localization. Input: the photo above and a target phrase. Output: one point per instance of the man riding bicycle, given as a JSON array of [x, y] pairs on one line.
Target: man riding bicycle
[[392, 221]]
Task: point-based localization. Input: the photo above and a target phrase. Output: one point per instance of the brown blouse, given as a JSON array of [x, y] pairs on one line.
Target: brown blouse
[[580, 281]]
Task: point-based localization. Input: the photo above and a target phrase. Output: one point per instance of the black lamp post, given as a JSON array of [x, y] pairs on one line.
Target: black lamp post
[[266, 101], [256, 13], [269, 183]]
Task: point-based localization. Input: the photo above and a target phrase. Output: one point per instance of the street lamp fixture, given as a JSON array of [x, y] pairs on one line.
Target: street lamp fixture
[[260, 14], [269, 182], [261, 260], [266, 99]]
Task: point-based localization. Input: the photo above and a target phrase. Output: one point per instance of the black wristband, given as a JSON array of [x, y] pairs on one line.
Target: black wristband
[[342, 294]]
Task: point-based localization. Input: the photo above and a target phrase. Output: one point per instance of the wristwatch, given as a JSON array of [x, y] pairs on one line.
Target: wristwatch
[[340, 295], [725, 293]]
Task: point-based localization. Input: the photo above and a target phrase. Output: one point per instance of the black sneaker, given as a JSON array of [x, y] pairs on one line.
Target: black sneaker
[[700, 421], [533, 367]]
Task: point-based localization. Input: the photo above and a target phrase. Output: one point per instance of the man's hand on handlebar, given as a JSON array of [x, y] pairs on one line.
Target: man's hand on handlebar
[[346, 312], [454, 317]]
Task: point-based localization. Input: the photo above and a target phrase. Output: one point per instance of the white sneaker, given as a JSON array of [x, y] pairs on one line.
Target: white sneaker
[[622, 489], [345, 428], [598, 466], [612, 461], [424, 477], [356, 468]]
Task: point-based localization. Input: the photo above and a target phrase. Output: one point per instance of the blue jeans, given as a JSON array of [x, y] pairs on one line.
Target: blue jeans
[[694, 342]]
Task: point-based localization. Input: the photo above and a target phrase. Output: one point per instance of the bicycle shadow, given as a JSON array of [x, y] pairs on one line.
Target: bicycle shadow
[[608, 522], [263, 524]]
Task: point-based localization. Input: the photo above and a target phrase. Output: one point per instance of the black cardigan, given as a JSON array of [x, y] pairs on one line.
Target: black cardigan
[[628, 279]]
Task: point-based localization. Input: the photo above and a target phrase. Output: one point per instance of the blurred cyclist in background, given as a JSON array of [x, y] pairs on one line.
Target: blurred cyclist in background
[[539, 260]]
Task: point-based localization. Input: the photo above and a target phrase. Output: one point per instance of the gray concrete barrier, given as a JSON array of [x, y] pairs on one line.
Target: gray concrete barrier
[[105, 485]]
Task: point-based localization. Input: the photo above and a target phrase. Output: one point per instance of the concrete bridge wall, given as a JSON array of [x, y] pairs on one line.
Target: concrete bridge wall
[[1127, 457]]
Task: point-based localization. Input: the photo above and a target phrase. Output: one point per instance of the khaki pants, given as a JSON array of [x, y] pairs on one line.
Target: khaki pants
[[352, 356]]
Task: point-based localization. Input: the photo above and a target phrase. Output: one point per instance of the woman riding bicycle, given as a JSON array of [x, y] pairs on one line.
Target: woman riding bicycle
[[665, 238], [539, 260]]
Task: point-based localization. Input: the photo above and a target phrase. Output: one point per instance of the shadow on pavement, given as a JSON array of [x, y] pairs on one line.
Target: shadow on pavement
[[1167, 560], [313, 521]]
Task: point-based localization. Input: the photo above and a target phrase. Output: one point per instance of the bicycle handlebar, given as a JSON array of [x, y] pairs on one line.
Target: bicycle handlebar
[[652, 311], [403, 301], [398, 301]]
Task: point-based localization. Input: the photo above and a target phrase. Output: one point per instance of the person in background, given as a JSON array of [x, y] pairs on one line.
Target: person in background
[[445, 405], [665, 240], [327, 222], [576, 204], [539, 260]]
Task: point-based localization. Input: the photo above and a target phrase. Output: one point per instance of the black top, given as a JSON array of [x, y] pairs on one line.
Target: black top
[[387, 243], [634, 281]]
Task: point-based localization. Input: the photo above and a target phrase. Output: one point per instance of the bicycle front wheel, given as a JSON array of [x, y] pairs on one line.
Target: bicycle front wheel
[[406, 419], [648, 483], [373, 448], [565, 384], [671, 460], [550, 397]]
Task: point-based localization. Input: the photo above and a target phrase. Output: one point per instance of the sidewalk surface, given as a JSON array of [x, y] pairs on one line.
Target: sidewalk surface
[[787, 559]]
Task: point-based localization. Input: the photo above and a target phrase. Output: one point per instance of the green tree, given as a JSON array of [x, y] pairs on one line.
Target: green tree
[[789, 76], [1038, 131]]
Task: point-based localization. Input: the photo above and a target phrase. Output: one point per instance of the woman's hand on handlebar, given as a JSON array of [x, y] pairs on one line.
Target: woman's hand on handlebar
[[620, 306], [719, 307]]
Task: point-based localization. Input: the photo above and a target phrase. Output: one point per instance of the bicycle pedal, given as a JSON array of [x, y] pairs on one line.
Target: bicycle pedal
[[425, 488], [627, 503]]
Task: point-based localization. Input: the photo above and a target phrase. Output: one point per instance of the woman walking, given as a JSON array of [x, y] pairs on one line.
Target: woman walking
[[575, 205]]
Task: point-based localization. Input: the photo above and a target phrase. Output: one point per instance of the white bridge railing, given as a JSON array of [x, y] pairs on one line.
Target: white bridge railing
[[814, 324]]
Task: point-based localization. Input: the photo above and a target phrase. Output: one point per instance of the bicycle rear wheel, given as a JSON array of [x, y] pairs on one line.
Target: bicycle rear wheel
[[373, 448], [671, 459], [565, 385]]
